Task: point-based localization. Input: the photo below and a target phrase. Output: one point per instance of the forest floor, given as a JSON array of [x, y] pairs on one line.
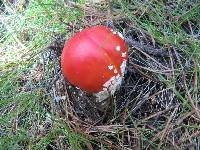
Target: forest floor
[[157, 105]]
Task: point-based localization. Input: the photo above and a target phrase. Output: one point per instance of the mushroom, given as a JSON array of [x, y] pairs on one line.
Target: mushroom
[[94, 60]]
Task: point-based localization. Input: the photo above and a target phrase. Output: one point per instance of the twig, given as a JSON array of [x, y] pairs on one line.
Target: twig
[[167, 126]]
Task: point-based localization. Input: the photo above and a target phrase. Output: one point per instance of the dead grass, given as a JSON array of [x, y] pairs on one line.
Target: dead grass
[[157, 106]]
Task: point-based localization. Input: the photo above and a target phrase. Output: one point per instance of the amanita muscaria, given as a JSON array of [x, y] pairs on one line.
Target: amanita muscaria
[[94, 60]]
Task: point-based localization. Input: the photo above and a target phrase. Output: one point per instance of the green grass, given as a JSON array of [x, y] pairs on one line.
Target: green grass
[[165, 24], [27, 31]]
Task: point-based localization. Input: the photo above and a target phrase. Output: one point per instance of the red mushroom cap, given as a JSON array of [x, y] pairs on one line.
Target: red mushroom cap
[[94, 59]]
